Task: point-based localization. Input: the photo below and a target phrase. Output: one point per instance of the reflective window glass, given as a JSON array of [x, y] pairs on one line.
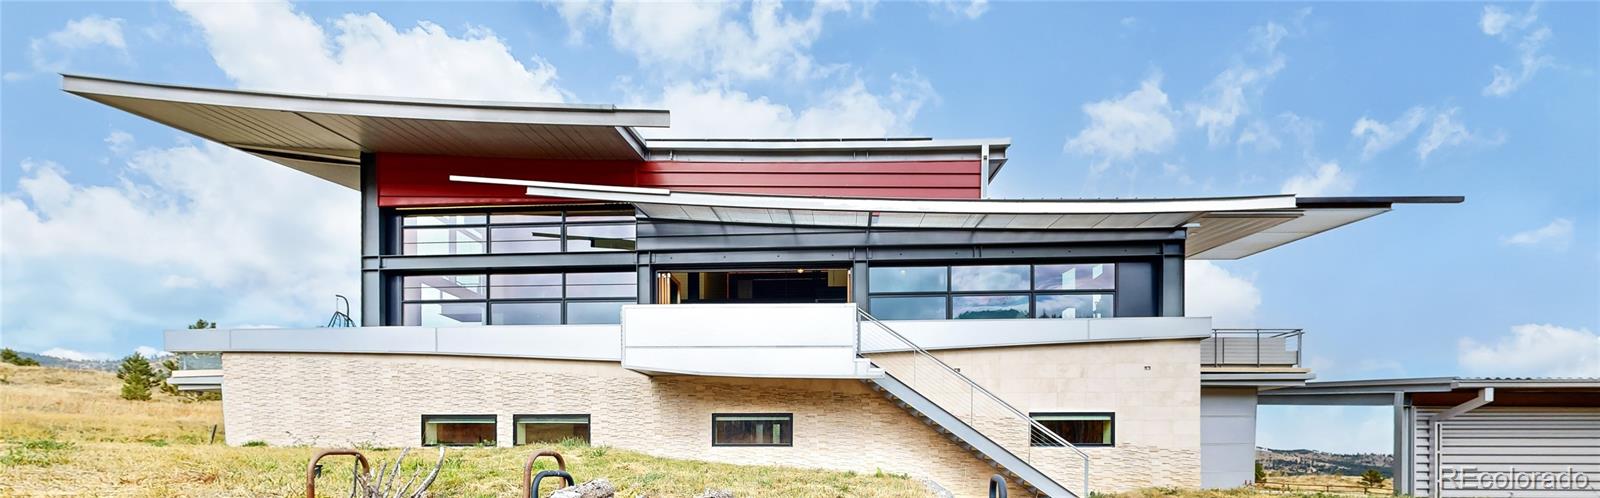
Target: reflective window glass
[[437, 241], [988, 307], [442, 314], [534, 313], [527, 239], [1097, 276], [908, 308], [908, 279], [612, 284], [442, 287], [590, 312], [989, 278], [1075, 306], [595, 238]]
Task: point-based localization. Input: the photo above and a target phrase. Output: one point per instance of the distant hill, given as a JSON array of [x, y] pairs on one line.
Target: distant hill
[[51, 361], [1306, 462]]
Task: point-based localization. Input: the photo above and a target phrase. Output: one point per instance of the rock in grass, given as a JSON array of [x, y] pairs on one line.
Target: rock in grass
[[716, 493], [598, 488]]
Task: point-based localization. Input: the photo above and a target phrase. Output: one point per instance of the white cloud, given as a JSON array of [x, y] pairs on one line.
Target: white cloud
[[54, 52], [184, 231], [1227, 97], [1380, 136], [1507, 26], [1139, 122], [150, 352], [1444, 131], [270, 46], [970, 9], [719, 38], [850, 111], [68, 354], [1326, 179], [1211, 290], [119, 141], [580, 16], [1556, 235], [1534, 350]]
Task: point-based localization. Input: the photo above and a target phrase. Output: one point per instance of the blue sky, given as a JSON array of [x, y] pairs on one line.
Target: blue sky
[[116, 228]]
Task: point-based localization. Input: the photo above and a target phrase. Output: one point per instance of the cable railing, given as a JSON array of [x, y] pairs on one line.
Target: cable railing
[[963, 398], [1252, 347]]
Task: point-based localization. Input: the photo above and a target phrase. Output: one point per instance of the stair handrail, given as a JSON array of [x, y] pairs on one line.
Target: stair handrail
[[1035, 426]]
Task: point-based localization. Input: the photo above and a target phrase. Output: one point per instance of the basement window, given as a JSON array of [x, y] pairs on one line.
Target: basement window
[[1080, 429], [551, 428], [458, 430], [752, 429]]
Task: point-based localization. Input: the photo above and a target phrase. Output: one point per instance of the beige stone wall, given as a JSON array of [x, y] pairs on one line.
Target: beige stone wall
[[1152, 386], [349, 399]]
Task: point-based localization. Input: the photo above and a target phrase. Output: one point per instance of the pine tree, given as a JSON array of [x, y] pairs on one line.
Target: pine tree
[[137, 377], [1372, 477], [9, 356]]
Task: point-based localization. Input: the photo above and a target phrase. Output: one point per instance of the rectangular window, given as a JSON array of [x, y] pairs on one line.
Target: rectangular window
[[909, 308], [526, 239], [551, 428], [516, 298], [908, 279], [458, 430], [1074, 306], [752, 429], [442, 234], [988, 307], [1080, 429], [1098, 276], [519, 232], [596, 238], [1076, 290], [989, 278]]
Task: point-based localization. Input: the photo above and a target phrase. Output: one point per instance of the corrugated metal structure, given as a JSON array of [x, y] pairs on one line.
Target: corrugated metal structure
[[1552, 451], [1480, 437]]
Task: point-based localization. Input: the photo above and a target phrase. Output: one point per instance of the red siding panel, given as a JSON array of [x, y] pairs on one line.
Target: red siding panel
[[415, 180]]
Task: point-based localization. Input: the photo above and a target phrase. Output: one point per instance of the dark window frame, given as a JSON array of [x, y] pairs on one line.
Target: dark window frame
[[565, 215], [792, 430], [1032, 292], [588, 420], [1111, 419], [489, 300], [422, 434]]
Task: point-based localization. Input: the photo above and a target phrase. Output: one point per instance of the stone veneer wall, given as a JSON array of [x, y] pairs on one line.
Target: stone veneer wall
[[1153, 387], [350, 399]]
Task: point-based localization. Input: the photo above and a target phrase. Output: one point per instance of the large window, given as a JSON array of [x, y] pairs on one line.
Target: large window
[[551, 428], [458, 430], [752, 429], [572, 230], [1080, 429], [516, 298], [1079, 290]]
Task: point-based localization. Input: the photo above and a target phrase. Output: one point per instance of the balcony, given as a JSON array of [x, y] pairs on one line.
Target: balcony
[[1255, 348], [743, 340]]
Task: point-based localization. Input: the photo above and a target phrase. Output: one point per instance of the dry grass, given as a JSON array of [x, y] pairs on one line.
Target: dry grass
[[1331, 483], [66, 433]]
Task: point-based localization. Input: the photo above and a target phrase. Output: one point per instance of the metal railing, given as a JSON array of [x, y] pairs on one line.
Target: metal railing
[[963, 398], [1252, 347]]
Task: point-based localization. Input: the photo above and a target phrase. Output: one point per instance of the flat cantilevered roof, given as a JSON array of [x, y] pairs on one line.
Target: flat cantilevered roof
[[1218, 227], [324, 135]]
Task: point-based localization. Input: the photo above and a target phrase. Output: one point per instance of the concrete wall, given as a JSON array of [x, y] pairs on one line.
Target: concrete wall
[[378, 399], [1227, 436], [1153, 387]]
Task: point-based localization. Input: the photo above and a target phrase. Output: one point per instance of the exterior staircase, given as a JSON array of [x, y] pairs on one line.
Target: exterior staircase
[[956, 406]]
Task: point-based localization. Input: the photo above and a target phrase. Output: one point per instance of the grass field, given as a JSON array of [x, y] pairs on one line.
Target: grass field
[[66, 433]]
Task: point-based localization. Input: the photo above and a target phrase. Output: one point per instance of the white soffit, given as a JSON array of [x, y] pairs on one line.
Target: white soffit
[[1268, 235], [315, 133]]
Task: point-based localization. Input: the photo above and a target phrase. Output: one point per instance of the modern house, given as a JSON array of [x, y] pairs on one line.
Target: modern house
[[533, 272]]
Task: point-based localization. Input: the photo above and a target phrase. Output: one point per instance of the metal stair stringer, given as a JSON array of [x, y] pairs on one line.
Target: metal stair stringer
[[966, 434]]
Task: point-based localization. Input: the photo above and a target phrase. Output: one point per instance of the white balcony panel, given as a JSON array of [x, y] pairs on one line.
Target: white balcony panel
[[960, 334], [741, 340], [576, 342]]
